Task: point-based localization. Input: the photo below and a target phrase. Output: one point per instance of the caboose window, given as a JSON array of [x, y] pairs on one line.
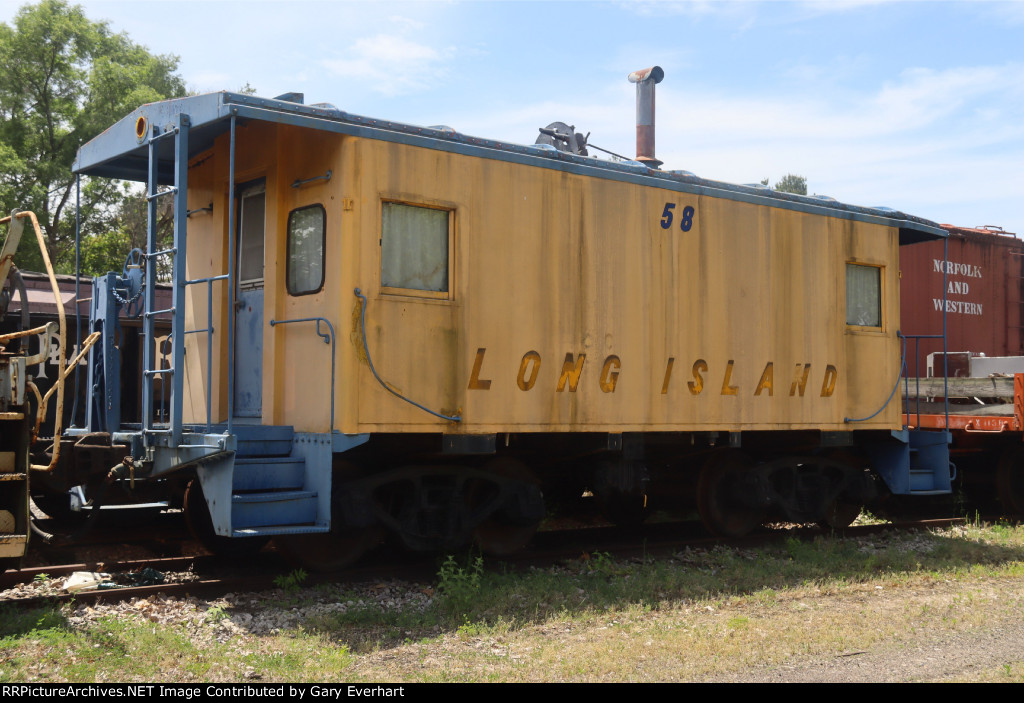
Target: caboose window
[[250, 229], [863, 295], [306, 231], [414, 248]]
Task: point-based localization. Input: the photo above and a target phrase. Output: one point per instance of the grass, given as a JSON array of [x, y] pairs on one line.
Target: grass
[[699, 615]]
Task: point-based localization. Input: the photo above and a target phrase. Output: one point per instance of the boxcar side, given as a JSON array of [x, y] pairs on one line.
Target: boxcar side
[[979, 288]]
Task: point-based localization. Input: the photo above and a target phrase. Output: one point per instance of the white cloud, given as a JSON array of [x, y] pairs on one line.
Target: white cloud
[[923, 96], [608, 115], [406, 22], [916, 100], [837, 69], [392, 64], [1011, 13], [823, 6]]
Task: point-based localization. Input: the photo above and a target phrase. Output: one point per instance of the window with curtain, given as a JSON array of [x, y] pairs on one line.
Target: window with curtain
[[414, 248], [307, 227], [863, 295]]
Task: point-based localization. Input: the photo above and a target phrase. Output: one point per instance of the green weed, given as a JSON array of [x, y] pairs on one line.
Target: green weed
[[866, 517], [738, 622], [291, 581], [601, 563], [458, 586], [216, 614]]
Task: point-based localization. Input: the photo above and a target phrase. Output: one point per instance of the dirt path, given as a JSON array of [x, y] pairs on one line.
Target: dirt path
[[959, 657]]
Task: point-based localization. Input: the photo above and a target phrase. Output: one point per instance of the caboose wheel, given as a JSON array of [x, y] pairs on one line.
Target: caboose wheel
[[1010, 481], [840, 515], [344, 544], [503, 532], [719, 495], [200, 524]]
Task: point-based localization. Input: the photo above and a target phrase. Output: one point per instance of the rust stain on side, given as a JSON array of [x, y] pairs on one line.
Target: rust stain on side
[[356, 333]]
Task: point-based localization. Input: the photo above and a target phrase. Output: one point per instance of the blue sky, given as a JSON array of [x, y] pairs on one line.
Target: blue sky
[[917, 106]]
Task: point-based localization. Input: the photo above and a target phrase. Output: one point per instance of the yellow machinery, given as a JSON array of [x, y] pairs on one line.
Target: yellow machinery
[[21, 405]]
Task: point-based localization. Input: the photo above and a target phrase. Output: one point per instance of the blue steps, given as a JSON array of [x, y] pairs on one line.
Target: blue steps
[[254, 440], [277, 530], [260, 473], [269, 509], [917, 464], [929, 463], [269, 493]]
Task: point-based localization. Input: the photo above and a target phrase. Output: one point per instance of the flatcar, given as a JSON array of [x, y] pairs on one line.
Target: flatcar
[[380, 329]]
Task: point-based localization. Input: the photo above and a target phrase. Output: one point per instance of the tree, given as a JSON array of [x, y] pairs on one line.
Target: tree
[[64, 79], [790, 183]]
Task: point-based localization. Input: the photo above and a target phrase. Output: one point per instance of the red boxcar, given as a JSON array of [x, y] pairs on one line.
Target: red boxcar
[[984, 298]]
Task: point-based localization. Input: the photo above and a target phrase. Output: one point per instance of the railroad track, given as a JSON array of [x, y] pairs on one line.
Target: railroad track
[[208, 576]]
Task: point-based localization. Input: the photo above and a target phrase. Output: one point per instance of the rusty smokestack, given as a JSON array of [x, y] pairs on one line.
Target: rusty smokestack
[[645, 80]]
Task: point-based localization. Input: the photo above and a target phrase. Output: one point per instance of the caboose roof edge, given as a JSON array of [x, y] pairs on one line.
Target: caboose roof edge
[[119, 152]]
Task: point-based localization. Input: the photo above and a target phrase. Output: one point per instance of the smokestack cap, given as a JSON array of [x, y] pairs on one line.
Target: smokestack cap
[[654, 73]]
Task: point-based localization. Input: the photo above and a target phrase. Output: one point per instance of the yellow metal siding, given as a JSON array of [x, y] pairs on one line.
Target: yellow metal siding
[[302, 368], [550, 265], [558, 264], [204, 259]]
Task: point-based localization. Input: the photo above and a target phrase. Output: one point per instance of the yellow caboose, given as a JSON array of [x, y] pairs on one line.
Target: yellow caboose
[[385, 327]]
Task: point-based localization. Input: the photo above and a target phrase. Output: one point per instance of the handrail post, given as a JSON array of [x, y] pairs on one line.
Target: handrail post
[[179, 259], [231, 275], [149, 293], [917, 378], [945, 350], [78, 295], [209, 330], [209, 352]]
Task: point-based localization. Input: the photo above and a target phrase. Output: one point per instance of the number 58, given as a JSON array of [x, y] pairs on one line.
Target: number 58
[[685, 222]]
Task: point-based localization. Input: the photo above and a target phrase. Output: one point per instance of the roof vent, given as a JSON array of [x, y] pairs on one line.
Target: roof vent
[[298, 98]]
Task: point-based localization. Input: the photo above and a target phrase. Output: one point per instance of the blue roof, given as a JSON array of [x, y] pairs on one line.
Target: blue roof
[[119, 153]]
